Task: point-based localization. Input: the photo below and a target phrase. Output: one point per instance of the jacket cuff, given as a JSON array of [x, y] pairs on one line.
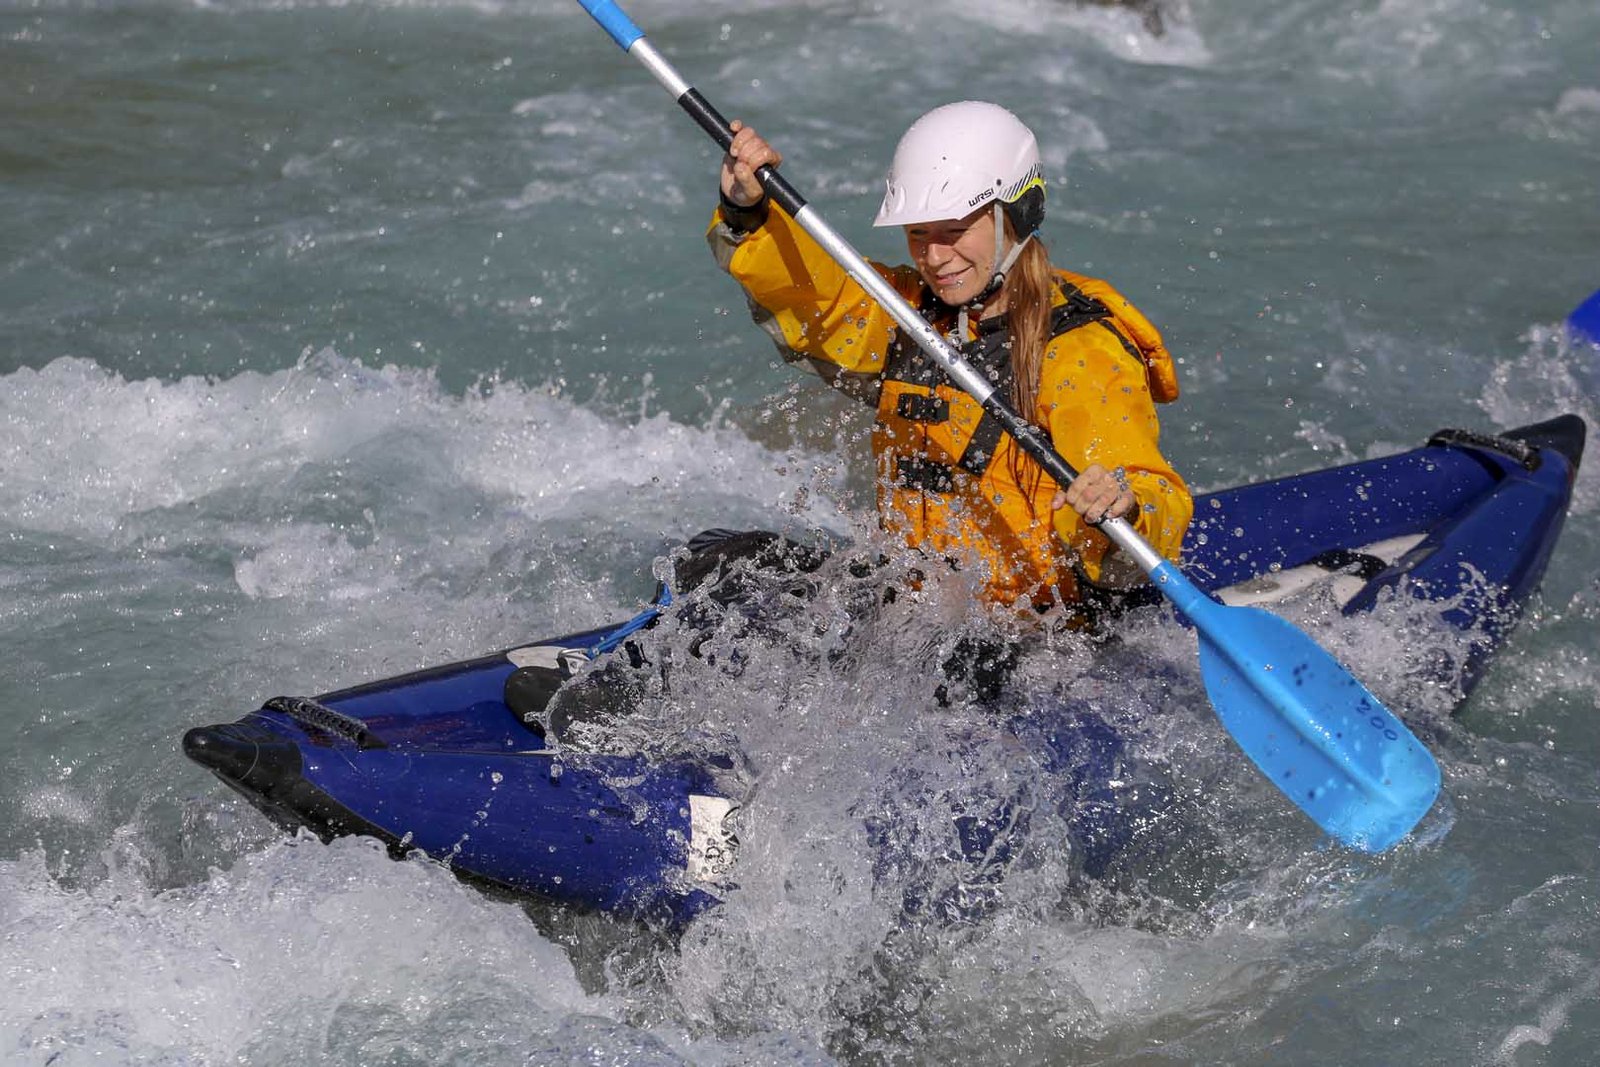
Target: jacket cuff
[[740, 219]]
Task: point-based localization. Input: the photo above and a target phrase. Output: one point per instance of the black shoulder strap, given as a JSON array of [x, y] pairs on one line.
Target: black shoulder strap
[[907, 363], [1079, 309]]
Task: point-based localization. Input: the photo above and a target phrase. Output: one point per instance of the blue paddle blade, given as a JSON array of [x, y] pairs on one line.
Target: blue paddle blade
[[1313, 729]]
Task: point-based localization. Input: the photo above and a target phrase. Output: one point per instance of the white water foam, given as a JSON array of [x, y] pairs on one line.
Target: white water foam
[[87, 450], [300, 953]]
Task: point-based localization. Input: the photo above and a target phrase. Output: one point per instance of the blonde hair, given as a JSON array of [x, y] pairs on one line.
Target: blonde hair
[[1030, 307]]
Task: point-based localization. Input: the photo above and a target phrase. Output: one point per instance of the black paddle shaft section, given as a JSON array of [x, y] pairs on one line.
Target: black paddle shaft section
[[1031, 440], [711, 121]]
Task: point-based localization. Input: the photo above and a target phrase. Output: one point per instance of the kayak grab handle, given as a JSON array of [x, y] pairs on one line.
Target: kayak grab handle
[[308, 712]]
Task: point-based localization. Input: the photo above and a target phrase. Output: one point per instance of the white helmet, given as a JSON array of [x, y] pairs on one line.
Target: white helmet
[[957, 158]]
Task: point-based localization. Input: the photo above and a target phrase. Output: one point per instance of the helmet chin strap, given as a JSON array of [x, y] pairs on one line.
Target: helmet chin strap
[[1003, 259]]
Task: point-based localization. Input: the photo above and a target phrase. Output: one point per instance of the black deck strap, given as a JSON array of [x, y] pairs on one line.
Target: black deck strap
[[1363, 565], [1520, 451], [308, 712]]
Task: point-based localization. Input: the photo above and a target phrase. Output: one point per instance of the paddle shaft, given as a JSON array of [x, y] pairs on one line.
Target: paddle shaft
[[1029, 437]]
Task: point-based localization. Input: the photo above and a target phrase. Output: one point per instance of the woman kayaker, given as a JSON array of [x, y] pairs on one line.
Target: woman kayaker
[[1072, 354]]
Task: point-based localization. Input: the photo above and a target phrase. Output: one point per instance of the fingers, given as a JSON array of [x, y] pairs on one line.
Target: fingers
[[1097, 494], [748, 153]]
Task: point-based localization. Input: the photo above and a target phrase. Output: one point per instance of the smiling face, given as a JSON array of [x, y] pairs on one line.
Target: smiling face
[[956, 257]]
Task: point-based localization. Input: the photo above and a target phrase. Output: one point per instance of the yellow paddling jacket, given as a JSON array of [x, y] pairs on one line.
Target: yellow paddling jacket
[[948, 478]]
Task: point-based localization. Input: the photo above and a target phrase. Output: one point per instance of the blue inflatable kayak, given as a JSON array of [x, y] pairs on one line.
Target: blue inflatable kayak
[[456, 760]]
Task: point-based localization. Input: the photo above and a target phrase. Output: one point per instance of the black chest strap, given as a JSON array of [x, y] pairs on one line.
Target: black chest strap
[[990, 354]]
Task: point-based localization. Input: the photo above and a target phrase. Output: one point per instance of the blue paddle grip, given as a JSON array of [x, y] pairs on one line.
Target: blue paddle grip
[[614, 21]]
